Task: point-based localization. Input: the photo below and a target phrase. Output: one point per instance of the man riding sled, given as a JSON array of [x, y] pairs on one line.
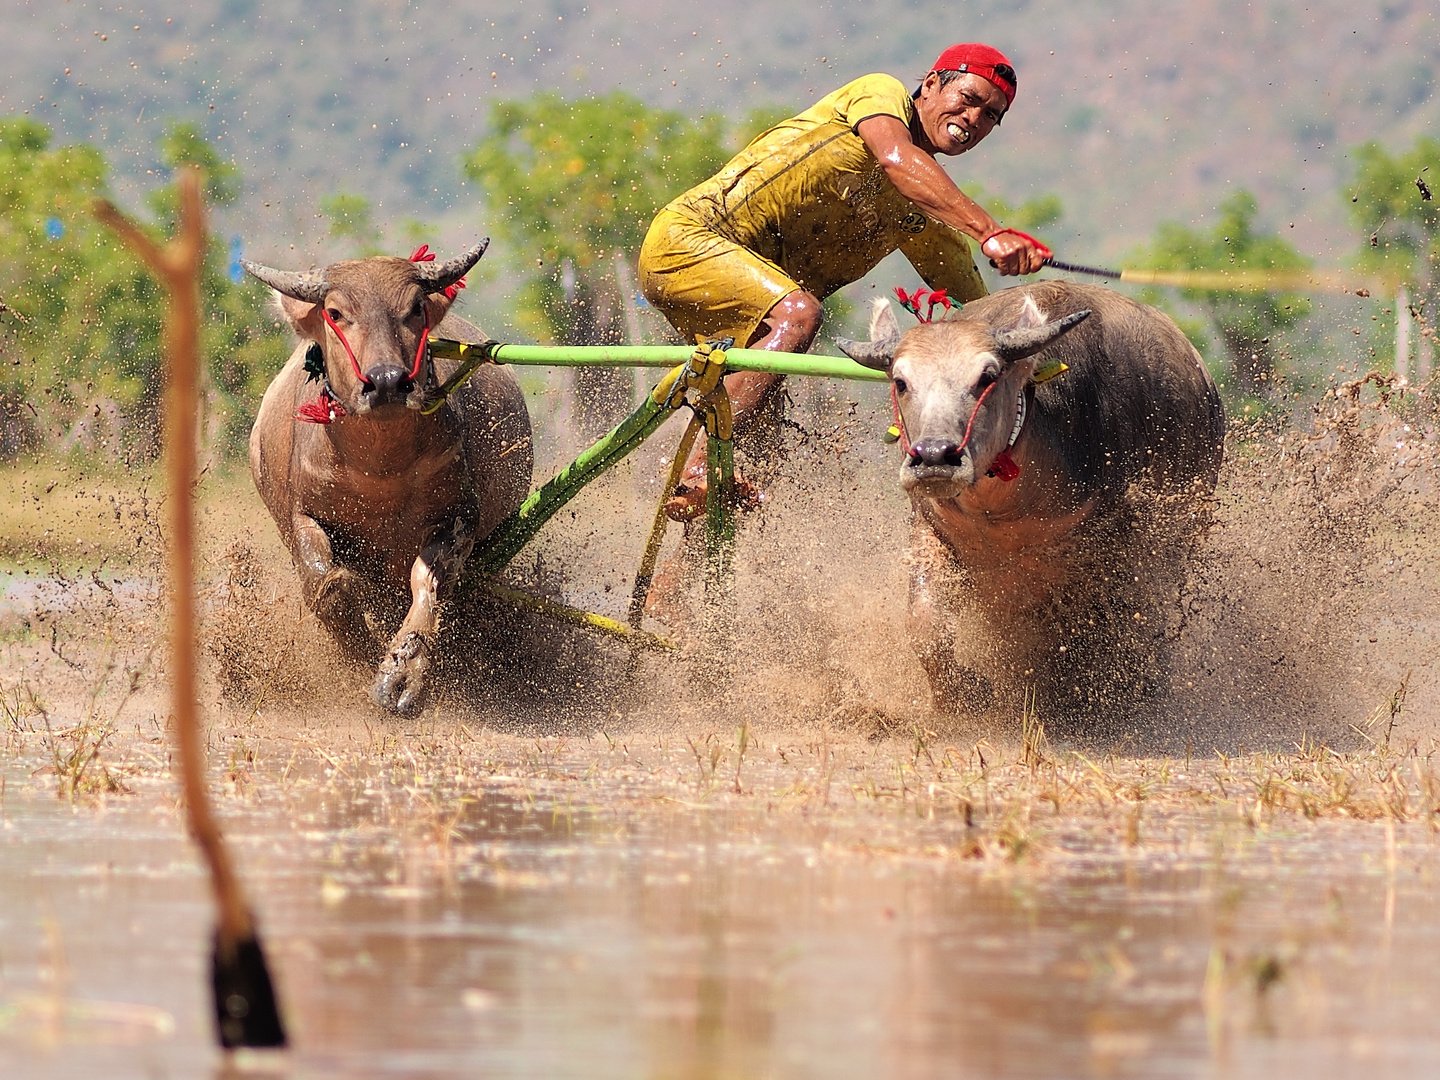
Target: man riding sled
[[812, 205]]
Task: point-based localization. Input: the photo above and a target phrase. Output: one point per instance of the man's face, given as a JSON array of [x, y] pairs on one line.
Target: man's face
[[957, 116]]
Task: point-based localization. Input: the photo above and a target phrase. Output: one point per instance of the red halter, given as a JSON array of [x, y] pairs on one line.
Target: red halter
[[355, 364], [327, 407], [1003, 466]]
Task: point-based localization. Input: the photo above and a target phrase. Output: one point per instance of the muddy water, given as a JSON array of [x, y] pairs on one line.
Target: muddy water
[[567, 867], [448, 903]]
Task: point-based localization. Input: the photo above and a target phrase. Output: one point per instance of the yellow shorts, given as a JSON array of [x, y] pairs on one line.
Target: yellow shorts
[[704, 284]]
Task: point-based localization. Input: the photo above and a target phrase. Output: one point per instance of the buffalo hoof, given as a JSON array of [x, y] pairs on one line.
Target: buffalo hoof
[[400, 682]]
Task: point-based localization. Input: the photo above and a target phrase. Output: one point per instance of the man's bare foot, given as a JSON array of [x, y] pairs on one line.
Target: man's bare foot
[[688, 502]]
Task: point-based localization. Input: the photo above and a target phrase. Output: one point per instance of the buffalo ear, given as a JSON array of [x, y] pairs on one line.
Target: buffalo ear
[[1030, 315], [1013, 345], [879, 351], [304, 318]]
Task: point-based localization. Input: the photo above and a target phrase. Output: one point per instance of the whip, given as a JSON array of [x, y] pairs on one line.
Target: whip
[[1235, 280]]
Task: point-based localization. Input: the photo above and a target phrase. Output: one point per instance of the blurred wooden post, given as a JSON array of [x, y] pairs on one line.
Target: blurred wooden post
[[245, 1010]]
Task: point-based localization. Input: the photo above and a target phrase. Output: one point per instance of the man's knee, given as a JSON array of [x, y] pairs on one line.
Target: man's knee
[[802, 309], [791, 325]]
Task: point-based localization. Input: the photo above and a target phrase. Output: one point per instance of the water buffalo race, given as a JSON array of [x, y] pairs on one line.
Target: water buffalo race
[[618, 541]]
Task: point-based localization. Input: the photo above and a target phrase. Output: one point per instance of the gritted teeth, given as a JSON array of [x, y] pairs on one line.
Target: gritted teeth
[[957, 132]]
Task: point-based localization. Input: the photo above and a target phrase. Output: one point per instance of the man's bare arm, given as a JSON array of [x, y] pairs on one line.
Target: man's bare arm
[[918, 177]]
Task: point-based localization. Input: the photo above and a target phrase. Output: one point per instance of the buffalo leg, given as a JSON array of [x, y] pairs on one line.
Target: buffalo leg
[[931, 626], [331, 591], [400, 682]]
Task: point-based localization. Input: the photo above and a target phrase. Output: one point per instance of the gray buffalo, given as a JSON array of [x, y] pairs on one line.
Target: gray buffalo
[[380, 502], [1058, 515]]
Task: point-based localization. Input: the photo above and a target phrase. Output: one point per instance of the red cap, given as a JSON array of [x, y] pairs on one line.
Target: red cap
[[990, 64]]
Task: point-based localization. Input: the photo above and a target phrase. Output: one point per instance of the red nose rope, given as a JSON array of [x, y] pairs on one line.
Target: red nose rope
[[1003, 466], [327, 407]]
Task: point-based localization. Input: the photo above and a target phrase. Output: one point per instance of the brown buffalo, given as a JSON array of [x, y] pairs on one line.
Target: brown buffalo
[[380, 504], [1058, 515]]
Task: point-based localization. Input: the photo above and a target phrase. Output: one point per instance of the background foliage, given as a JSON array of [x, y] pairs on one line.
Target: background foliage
[[1245, 324], [80, 343]]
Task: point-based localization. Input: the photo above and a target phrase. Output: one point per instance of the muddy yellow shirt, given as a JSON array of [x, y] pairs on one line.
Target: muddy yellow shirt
[[809, 196]]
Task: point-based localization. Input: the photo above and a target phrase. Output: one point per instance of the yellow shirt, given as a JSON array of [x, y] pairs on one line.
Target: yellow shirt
[[809, 196]]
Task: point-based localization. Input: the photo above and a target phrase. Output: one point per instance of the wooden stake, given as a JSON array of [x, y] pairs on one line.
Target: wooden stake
[[246, 1013]]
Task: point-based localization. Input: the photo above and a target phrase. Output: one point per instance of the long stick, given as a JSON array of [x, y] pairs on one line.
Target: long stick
[[1259, 281], [516, 531], [1235, 280], [246, 1014], [649, 356], [646, 573]]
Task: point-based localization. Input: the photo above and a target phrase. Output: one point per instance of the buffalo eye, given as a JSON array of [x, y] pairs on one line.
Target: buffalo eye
[[988, 376], [334, 314], [901, 386], [418, 310]]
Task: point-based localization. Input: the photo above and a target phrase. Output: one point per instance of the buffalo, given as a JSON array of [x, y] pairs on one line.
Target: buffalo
[[379, 497], [1062, 448]]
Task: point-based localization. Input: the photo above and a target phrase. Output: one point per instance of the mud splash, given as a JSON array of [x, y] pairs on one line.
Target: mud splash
[[775, 859], [1305, 608]]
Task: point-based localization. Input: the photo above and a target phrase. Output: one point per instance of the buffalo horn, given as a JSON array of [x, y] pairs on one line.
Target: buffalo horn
[[1012, 345], [308, 285], [872, 354], [437, 275]]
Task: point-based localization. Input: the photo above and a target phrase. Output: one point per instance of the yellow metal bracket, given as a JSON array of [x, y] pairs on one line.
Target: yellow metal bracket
[[697, 384]]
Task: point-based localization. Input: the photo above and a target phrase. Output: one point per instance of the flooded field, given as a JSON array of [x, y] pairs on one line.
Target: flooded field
[[775, 862], [439, 901]]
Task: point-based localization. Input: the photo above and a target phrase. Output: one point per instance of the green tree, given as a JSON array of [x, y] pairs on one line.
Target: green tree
[[80, 345], [182, 146], [351, 219], [1245, 322], [574, 185], [578, 182], [1032, 215], [1401, 223]]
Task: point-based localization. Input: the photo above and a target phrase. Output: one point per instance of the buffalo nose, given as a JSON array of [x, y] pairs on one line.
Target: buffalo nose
[[388, 380], [935, 452]]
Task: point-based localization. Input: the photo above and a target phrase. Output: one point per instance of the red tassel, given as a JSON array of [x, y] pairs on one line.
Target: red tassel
[[424, 254], [1004, 467], [322, 410], [911, 302]]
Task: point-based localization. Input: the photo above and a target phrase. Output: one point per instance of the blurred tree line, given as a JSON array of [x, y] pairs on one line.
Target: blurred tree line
[[80, 362], [1394, 206], [1390, 201], [574, 186]]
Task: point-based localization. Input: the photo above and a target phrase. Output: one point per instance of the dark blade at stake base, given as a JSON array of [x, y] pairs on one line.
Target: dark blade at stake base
[[245, 1009]]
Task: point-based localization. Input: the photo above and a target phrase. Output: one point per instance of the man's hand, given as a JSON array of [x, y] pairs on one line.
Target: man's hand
[[1012, 252]]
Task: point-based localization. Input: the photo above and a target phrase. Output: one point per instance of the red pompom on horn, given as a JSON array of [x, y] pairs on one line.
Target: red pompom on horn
[[911, 302], [424, 254]]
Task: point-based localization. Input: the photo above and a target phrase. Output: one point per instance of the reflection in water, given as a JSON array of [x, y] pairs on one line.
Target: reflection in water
[[579, 913]]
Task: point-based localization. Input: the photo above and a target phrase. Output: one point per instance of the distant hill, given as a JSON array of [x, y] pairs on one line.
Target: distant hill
[[1131, 110]]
